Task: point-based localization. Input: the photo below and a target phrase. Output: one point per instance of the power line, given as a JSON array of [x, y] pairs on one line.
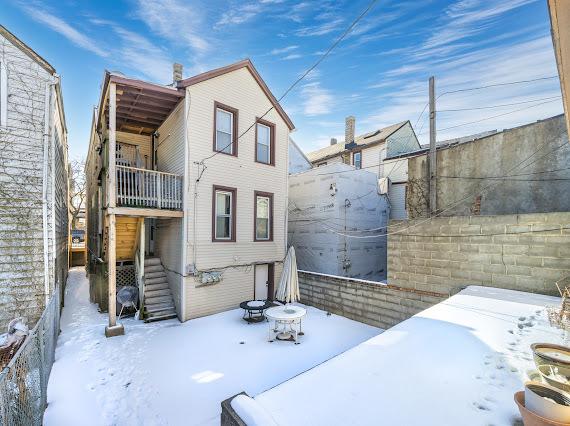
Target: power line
[[498, 106], [508, 83], [305, 74]]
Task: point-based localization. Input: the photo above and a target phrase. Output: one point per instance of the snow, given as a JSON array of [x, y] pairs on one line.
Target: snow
[[251, 412], [458, 362], [170, 373]]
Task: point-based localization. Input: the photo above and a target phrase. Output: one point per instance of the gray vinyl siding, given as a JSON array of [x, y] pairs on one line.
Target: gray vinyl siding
[[22, 285], [401, 141]]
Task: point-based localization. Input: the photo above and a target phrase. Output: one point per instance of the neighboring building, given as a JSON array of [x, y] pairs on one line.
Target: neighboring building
[[529, 165], [560, 30], [369, 151], [298, 161], [171, 187], [34, 219], [335, 216]]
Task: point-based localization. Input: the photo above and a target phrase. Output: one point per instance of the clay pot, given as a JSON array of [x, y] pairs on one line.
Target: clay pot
[[547, 401], [548, 353], [530, 418]]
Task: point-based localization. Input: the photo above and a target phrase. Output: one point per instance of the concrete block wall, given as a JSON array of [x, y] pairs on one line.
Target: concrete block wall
[[526, 252], [369, 302]]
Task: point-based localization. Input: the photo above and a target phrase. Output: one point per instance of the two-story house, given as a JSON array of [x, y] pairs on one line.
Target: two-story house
[[34, 224], [376, 152], [187, 188]]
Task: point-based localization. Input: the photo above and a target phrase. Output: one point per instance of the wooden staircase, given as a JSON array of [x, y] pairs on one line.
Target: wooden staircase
[[158, 301]]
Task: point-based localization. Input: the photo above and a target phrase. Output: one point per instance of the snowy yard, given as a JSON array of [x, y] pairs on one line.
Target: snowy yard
[[456, 363], [170, 373]]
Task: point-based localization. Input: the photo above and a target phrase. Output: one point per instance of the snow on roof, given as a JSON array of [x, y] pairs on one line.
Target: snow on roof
[[458, 362], [363, 140]]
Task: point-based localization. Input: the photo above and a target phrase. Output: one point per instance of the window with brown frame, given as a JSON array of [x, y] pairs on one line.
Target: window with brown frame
[[265, 142], [224, 214], [263, 214], [225, 129], [357, 159]]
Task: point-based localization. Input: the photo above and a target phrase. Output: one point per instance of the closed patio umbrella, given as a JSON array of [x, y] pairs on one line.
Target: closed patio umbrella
[[288, 289]]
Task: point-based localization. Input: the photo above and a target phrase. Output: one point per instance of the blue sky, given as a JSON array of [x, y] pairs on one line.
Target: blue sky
[[379, 73]]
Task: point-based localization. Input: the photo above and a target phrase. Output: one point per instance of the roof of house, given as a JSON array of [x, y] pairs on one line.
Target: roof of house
[[246, 63], [27, 50], [365, 140]]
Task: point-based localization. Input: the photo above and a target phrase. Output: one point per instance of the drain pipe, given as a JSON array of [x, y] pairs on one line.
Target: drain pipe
[[46, 146], [185, 193]]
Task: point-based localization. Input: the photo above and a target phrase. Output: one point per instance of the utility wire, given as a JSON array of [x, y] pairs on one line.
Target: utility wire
[[498, 106], [508, 83], [305, 74]]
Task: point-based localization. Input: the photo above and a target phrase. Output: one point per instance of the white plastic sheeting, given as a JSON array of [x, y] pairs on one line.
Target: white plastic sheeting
[[288, 289], [337, 222]]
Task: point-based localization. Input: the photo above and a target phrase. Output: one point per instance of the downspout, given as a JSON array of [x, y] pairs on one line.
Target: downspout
[[52, 179], [45, 174], [185, 193]]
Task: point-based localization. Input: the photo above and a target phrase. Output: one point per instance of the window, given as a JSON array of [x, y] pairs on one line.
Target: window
[[225, 129], [265, 142], [224, 214], [357, 159], [3, 95], [263, 216]]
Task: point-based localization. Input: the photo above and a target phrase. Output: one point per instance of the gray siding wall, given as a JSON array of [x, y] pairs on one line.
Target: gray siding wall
[[22, 286], [402, 141]]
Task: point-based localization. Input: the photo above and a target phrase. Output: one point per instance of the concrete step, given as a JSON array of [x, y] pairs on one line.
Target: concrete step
[[158, 299], [153, 268], [152, 275], [151, 261]]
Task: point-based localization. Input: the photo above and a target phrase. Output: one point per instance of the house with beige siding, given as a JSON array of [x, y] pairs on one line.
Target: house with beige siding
[[369, 151], [34, 215], [187, 190]]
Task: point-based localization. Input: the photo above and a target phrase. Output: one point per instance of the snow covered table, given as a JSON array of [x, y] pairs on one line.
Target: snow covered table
[[457, 363], [286, 322]]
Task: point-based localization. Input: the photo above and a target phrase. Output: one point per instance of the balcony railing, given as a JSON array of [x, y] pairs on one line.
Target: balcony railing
[[148, 189]]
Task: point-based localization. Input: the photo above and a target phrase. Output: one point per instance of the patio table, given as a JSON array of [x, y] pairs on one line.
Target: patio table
[[286, 322], [253, 309]]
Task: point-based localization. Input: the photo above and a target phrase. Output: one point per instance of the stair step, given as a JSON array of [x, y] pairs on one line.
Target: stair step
[[150, 293], [151, 261], [158, 280], [153, 268], [158, 299], [151, 275], [159, 307], [165, 316], [156, 286]]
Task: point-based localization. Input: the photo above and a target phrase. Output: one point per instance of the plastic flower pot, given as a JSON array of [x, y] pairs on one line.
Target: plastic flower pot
[[559, 377], [530, 418], [548, 402], [548, 353]]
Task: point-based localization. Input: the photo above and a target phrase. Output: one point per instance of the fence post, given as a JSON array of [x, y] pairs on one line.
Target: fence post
[[41, 348]]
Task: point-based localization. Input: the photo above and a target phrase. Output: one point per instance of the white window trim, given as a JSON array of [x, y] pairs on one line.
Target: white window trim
[[231, 114], [354, 159], [268, 218], [3, 94], [268, 145], [223, 215]]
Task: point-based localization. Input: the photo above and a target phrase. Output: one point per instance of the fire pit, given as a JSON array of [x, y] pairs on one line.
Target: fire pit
[[253, 309]]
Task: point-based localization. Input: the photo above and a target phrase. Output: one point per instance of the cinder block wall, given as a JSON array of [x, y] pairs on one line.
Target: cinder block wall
[[527, 252], [372, 303]]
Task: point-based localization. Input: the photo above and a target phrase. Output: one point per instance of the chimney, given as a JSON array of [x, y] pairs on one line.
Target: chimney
[[333, 141], [176, 72], [349, 129]]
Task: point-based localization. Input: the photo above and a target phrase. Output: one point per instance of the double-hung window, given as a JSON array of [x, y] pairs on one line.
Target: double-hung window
[[224, 214], [357, 159], [265, 142], [263, 216], [225, 129]]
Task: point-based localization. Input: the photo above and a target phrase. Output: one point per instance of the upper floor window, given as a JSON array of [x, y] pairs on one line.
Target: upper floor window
[[263, 216], [225, 129], [357, 159], [224, 214], [265, 142]]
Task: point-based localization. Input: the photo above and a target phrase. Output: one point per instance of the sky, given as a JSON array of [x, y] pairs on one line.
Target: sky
[[379, 73]]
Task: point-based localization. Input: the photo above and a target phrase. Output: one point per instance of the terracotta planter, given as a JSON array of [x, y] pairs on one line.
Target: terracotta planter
[[547, 401], [530, 418], [548, 353]]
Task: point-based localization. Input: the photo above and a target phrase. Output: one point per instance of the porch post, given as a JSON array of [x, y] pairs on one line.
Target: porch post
[[112, 329], [141, 262]]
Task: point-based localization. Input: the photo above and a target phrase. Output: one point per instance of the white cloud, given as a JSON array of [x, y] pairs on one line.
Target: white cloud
[[316, 99], [60, 26], [239, 15], [174, 20], [320, 29], [279, 51], [291, 56]]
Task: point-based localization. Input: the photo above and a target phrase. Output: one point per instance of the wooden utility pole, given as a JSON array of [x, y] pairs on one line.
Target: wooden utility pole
[[113, 329], [432, 150]]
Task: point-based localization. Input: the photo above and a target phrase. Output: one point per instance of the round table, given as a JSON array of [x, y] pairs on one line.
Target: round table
[[253, 309], [286, 322]]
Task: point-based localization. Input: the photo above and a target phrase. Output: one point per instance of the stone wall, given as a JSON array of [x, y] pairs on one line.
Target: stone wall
[[369, 302], [527, 252]]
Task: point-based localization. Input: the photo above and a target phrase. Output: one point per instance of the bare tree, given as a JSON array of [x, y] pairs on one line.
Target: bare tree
[[77, 189]]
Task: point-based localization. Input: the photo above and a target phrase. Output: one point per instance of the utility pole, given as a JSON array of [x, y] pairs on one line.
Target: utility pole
[[432, 170]]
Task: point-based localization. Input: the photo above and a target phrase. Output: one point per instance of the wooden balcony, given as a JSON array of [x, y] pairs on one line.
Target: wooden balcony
[[148, 190]]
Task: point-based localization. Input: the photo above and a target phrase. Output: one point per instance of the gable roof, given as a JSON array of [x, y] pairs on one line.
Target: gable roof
[[26, 49], [246, 63], [363, 141]]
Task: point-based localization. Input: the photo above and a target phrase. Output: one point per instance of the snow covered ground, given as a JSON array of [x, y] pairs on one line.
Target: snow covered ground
[[169, 373], [456, 363]]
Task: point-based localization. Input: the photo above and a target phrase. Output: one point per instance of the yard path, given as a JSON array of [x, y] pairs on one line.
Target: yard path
[[171, 373]]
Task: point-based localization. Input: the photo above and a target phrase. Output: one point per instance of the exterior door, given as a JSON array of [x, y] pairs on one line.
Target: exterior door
[[261, 282]]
